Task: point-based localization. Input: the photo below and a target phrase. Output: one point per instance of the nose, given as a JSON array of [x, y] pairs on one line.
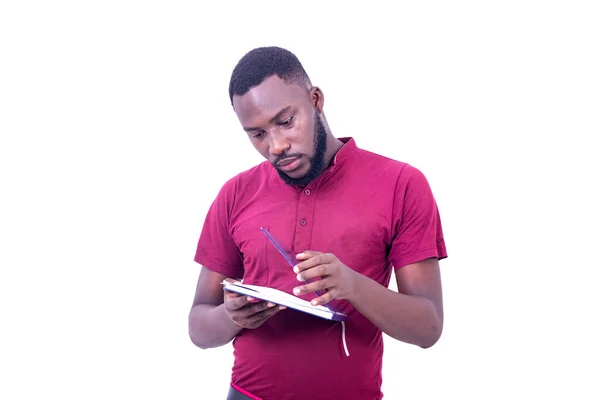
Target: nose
[[278, 144]]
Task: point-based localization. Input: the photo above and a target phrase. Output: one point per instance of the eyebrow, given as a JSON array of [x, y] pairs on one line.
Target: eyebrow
[[272, 120]]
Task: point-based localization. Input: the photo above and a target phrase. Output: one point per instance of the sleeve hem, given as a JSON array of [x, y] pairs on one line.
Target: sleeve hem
[[216, 266], [432, 252]]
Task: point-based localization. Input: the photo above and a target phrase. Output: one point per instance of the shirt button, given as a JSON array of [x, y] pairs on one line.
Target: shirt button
[[302, 222], [307, 192]]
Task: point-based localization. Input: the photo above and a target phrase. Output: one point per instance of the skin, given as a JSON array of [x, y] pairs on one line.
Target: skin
[[279, 119]]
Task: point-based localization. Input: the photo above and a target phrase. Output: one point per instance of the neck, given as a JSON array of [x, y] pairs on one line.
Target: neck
[[333, 146]]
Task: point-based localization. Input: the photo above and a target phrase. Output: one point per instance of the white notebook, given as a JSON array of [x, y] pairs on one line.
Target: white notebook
[[282, 298]]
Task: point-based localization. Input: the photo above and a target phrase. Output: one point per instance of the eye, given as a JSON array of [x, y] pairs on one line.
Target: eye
[[256, 133], [287, 121]]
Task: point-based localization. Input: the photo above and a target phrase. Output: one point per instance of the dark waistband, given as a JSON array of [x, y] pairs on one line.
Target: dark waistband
[[235, 394]]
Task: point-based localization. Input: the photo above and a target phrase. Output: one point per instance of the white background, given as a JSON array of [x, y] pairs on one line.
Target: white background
[[117, 133]]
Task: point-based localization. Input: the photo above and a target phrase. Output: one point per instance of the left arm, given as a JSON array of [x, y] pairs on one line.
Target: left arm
[[413, 315]]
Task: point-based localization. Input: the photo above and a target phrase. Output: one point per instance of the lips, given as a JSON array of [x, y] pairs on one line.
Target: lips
[[288, 164], [287, 161]]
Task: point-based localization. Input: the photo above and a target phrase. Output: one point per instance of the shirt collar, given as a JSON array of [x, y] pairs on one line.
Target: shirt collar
[[339, 159], [344, 153], [336, 165]]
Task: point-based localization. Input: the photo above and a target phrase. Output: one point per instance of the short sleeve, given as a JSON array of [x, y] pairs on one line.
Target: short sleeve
[[216, 249], [417, 228]]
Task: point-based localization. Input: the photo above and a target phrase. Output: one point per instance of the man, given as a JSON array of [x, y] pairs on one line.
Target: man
[[352, 217]]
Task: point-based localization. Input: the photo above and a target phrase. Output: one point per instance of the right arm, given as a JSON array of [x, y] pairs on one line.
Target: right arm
[[209, 321], [217, 316]]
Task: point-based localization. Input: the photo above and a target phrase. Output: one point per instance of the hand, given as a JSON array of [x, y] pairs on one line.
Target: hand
[[337, 280], [247, 312]]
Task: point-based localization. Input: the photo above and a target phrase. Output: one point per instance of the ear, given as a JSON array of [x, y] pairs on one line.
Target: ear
[[317, 98]]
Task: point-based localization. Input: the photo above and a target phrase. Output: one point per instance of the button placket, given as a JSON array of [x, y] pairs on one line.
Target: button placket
[[306, 205]]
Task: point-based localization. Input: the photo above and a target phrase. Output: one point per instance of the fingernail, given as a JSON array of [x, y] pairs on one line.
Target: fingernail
[[250, 298], [299, 277], [314, 302], [296, 269], [282, 307], [271, 304], [296, 290], [299, 254]]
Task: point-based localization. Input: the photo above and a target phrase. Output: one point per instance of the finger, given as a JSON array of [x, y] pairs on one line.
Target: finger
[[256, 319], [310, 262], [322, 300], [259, 318], [231, 294], [306, 254], [235, 301], [314, 272], [253, 299], [257, 308], [316, 286]]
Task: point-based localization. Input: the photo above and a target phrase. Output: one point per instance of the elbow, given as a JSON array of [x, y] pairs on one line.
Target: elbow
[[433, 327], [195, 333], [432, 334], [197, 341], [205, 331], [425, 337], [430, 342]]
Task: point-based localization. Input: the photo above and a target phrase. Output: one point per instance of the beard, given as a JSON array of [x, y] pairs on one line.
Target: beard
[[317, 161]]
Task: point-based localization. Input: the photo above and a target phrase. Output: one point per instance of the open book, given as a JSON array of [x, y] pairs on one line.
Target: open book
[[282, 298]]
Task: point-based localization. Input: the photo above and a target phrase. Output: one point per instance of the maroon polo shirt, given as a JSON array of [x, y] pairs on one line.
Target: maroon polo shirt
[[374, 213]]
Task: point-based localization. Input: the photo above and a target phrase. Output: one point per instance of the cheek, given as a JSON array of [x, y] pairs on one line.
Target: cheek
[[262, 147], [303, 134]]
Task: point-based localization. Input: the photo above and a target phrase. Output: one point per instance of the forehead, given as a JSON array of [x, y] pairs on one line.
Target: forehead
[[267, 99]]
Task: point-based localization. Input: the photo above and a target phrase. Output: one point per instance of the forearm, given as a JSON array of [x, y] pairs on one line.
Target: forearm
[[410, 319], [211, 326]]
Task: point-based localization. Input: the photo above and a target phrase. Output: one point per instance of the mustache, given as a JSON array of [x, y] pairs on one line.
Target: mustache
[[283, 157]]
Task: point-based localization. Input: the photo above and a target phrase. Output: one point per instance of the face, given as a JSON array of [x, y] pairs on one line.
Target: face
[[282, 121]]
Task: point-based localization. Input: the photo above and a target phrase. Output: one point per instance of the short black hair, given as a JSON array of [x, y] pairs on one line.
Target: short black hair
[[262, 62]]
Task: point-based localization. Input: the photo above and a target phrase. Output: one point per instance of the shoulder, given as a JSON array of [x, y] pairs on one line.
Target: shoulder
[[255, 176], [390, 172], [378, 164]]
